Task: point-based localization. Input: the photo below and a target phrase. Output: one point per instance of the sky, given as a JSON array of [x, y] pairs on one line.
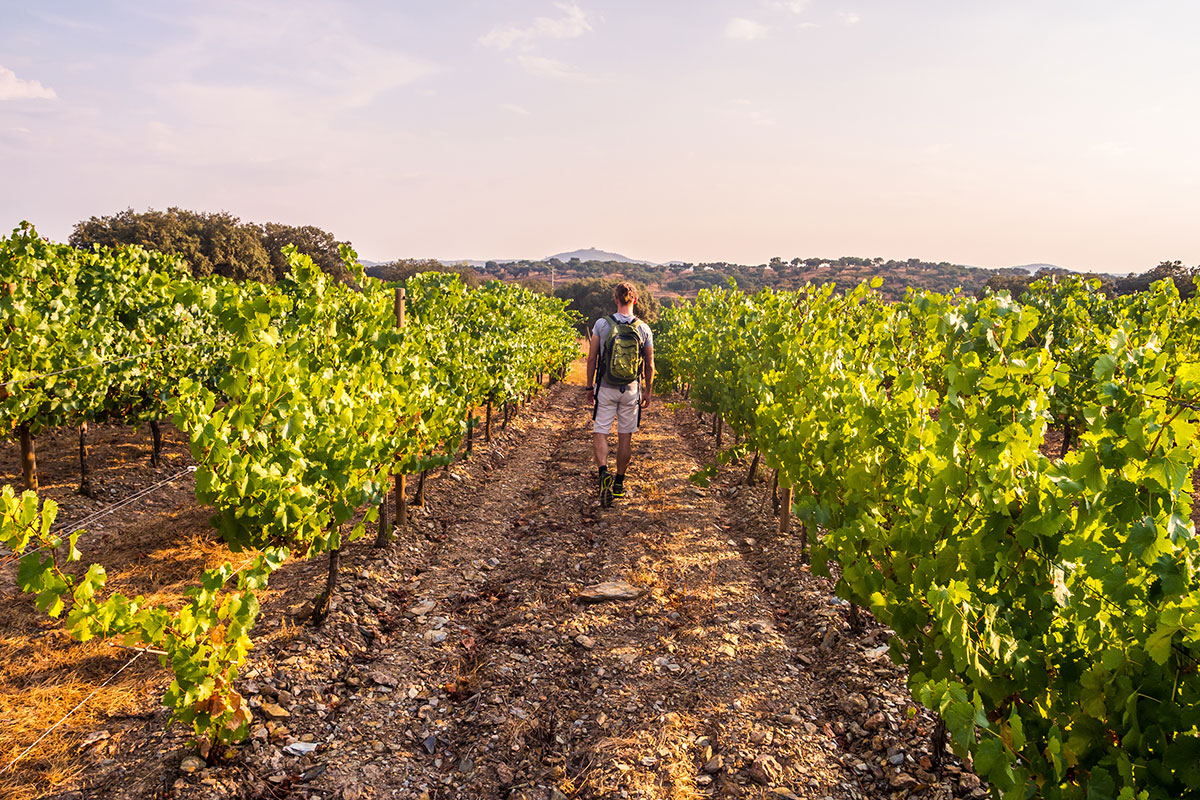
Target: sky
[[989, 134]]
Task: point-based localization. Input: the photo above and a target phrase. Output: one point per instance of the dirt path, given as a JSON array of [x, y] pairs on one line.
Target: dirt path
[[460, 663], [483, 676]]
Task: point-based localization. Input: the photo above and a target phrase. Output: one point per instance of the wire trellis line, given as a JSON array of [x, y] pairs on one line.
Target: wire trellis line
[[64, 718]]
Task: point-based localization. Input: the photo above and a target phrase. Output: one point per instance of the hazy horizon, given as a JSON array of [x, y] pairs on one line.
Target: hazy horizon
[[708, 131]]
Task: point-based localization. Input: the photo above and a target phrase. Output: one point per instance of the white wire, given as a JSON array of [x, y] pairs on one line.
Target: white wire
[[111, 678], [104, 512], [79, 525]]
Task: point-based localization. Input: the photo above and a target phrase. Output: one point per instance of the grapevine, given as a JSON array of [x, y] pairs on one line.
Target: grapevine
[[1047, 607]]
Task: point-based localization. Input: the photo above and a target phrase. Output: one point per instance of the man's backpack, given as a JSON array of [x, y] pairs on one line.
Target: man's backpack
[[622, 357]]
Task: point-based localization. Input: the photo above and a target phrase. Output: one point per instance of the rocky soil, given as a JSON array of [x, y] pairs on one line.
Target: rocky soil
[[518, 641]]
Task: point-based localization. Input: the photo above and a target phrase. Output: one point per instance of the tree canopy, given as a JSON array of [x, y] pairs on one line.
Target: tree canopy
[[214, 243], [593, 299], [1112, 285], [404, 268], [319, 245]]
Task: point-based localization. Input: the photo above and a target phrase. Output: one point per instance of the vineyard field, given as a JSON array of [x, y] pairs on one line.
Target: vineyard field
[[708, 561], [978, 534]]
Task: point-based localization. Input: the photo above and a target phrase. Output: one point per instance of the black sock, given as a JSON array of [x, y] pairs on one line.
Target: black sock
[[620, 478], [603, 471]]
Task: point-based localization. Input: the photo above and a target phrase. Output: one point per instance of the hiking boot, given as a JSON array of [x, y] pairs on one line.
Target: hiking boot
[[618, 488], [606, 490]]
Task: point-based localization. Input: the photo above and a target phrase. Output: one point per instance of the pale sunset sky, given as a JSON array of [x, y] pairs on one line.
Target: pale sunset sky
[[990, 134]]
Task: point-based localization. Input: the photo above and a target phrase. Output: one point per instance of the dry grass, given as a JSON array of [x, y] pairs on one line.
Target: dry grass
[[61, 678], [577, 374], [155, 548]]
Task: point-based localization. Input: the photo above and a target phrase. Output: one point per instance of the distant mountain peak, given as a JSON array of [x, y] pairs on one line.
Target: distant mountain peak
[[592, 254], [1034, 268]]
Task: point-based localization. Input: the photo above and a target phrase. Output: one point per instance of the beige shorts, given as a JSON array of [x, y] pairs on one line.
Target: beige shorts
[[624, 407]]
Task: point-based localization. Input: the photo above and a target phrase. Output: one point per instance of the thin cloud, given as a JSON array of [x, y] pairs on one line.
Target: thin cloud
[[63, 21], [336, 67], [516, 109], [547, 67], [794, 6], [745, 30], [851, 17], [571, 25], [14, 88]]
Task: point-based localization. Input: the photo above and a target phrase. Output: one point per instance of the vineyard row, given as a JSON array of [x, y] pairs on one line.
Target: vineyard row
[[1045, 601], [303, 401]]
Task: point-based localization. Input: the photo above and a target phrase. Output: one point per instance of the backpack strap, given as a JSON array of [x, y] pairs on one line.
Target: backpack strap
[[612, 329], [600, 367], [636, 324]]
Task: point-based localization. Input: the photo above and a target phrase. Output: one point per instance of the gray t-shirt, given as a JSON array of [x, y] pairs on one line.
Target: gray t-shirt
[[601, 328]]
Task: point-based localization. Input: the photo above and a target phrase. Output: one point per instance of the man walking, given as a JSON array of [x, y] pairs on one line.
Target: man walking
[[620, 373]]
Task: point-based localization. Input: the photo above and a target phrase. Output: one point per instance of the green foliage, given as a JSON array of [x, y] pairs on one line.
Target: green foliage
[[215, 243], [114, 331], [325, 396], [205, 641], [1049, 609], [209, 243], [403, 269], [898, 275], [319, 245], [593, 299], [299, 398]]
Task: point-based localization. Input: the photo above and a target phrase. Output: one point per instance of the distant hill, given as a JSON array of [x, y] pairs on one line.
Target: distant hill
[[592, 254], [1033, 268]]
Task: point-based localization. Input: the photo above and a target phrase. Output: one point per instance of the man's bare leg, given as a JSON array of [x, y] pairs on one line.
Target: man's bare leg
[[600, 444], [624, 451]]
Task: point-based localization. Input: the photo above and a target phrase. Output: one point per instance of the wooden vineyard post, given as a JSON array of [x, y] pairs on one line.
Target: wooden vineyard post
[[401, 479], [28, 458], [785, 509], [487, 425], [720, 431], [402, 502], [384, 534], [470, 431], [85, 474], [156, 442]]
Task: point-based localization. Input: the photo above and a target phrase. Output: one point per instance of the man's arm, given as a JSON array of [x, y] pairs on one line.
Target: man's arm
[[593, 357], [648, 388]]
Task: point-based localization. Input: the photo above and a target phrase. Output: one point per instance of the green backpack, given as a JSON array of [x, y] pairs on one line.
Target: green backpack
[[623, 352]]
